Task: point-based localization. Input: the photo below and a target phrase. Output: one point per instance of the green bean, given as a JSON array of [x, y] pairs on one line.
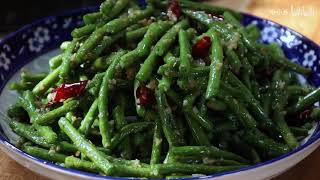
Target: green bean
[[103, 100], [83, 31], [119, 112], [47, 133], [147, 67], [252, 104], [89, 118], [157, 143], [194, 114], [92, 17], [264, 144], [279, 102], [185, 54], [55, 61], [202, 105], [16, 111], [165, 83], [266, 101], [119, 117], [191, 33], [307, 101], [197, 131], [75, 163], [95, 83], [239, 110], [66, 61], [101, 64], [116, 9], [45, 154], [107, 6], [47, 82], [208, 8], [26, 77], [70, 148], [106, 42], [283, 61], [253, 31], [127, 130], [118, 169], [163, 45], [123, 22], [129, 171], [299, 90], [155, 31], [66, 147], [315, 113], [245, 150], [29, 133], [215, 66], [111, 27], [64, 45], [233, 60], [229, 35], [175, 97], [206, 151], [51, 116], [203, 18], [170, 59], [23, 86], [216, 105], [232, 20], [134, 35], [28, 103], [299, 131], [85, 147], [169, 125]]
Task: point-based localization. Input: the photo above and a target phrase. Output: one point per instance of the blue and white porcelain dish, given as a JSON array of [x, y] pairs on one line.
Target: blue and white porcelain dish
[[38, 40]]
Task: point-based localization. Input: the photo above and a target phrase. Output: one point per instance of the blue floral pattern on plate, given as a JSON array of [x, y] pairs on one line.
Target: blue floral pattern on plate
[[298, 48], [23, 46], [32, 40]]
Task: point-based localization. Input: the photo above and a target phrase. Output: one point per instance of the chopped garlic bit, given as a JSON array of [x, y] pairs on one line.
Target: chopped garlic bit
[[158, 141], [136, 163], [233, 43], [207, 160], [51, 151], [172, 16], [77, 154], [51, 96], [152, 84]]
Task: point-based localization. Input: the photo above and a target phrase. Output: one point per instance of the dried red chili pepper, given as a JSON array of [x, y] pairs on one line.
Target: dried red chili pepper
[[174, 10], [144, 95], [304, 115], [201, 48], [66, 91]]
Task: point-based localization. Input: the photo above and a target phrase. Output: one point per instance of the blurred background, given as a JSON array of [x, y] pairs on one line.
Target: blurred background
[[14, 14], [301, 15]]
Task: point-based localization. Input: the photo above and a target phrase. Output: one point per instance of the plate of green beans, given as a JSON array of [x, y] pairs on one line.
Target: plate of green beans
[[158, 89]]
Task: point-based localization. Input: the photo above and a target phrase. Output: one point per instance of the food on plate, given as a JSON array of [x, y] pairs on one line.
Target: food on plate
[[165, 89]]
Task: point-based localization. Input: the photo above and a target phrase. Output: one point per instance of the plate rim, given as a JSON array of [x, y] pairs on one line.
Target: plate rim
[[4, 142]]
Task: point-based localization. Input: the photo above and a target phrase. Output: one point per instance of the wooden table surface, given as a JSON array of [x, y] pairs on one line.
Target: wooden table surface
[[301, 15]]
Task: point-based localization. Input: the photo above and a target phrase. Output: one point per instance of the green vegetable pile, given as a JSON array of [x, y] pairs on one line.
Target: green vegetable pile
[[172, 90]]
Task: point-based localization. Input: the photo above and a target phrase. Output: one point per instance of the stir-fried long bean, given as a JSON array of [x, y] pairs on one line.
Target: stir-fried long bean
[[168, 89]]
